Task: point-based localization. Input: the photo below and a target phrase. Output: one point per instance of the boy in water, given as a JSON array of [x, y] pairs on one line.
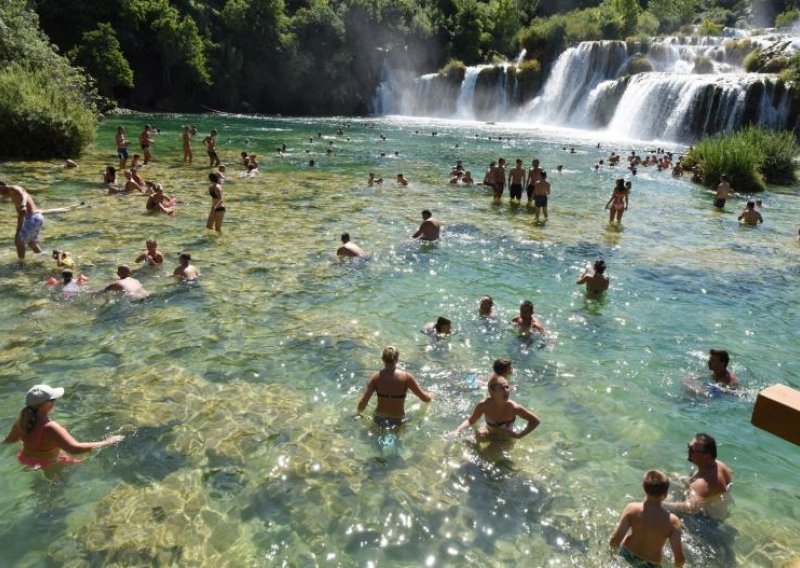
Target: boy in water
[[646, 526]]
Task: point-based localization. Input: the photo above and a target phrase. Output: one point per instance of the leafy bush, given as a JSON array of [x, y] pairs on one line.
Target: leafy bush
[[752, 63], [647, 24], [454, 71], [544, 39], [787, 18], [638, 64], [737, 49], [749, 157], [776, 64], [709, 28], [703, 65], [42, 117], [529, 78]]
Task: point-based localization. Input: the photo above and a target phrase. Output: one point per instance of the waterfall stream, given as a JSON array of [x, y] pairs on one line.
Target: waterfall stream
[[680, 89]]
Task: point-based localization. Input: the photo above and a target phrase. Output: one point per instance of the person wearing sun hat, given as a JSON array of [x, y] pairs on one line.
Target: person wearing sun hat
[[44, 440]]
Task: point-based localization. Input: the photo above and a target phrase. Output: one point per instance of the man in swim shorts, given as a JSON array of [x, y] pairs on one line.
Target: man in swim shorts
[[429, 228], [29, 219], [724, 191], [541, 189], [499, 179], [122, 148], [210, 142], [534, 175], [646, 526], [709, 487], [515, 178], [145, 142], [185, 271]]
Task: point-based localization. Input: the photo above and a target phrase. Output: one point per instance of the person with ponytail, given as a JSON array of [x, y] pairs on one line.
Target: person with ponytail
[[44, 441]]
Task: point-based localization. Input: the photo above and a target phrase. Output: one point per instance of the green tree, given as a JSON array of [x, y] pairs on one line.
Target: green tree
[[629, 10], [100, 53]]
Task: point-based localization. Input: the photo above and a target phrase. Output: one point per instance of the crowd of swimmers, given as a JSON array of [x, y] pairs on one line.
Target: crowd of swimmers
[[644, 527]]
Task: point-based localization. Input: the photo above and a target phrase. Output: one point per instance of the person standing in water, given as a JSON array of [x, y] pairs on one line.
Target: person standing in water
[[709, 488], [618, 203], [541, 191], [29, 219], [145, 142], [391, 385], [516, 177], [210, 142], [594, 279], [44, 440], [646, 527], [187, 146], [724, 191], [122, 147], [429, 229], [217, 212], [500, 413]]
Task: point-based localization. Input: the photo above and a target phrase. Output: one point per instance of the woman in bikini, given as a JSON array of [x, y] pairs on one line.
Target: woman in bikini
[[618, 203], [43, 439], [391, 385], [500, 413], [217, 206]]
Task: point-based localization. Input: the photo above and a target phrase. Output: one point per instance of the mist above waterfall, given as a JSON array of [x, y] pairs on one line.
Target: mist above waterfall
[[672, 88]]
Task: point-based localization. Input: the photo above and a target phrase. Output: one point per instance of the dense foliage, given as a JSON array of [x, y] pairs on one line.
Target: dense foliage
[[751, 158], [325, 56], [46, 106]]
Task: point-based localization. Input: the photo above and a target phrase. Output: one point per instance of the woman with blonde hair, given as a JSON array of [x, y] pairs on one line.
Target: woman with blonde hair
[[43, 439], [391, 385]]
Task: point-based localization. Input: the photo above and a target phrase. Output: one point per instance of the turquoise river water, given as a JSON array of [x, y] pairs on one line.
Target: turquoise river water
[[236, 394]]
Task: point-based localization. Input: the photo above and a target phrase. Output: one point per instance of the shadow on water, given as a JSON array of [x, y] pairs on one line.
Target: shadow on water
[[148, 455]]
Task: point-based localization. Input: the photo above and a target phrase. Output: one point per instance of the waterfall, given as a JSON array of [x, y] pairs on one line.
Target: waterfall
[[672, 88], [466, 95], [575, 74]]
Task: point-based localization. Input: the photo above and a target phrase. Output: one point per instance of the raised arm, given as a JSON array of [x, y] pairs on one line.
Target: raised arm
[[533, 421]]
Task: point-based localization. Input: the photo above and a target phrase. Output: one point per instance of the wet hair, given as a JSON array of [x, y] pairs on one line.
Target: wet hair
[[148, 241], [214, 176], [426, 214], [67, 276], [599, 266], [27, 419], [619, 183], [525, 304], [751, 204], [494, 380], [708, 442], [213, 131], [501, 366], [722, 354], [185, 256], [345, 237], [390, 354], [124, 268], [655, 483], [442, 321], [486, 298]]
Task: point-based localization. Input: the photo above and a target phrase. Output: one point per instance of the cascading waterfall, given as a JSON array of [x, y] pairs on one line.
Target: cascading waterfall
[[680, 89]]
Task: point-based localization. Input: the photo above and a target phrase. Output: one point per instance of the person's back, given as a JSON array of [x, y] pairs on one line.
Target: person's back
[[645, 527]]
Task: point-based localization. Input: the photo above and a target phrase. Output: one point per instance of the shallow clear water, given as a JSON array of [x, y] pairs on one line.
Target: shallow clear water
[[236, 393]]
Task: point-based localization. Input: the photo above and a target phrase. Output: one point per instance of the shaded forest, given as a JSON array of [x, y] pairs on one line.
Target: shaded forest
[[324, 56]]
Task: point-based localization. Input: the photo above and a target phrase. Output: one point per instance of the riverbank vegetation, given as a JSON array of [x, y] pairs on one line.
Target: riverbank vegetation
[[751, 158], [325, 56], [47, 107]]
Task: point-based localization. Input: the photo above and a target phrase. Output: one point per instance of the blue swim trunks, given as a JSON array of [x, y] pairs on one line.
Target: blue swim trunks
[[634, 560], [122, 153], [29, 233]]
